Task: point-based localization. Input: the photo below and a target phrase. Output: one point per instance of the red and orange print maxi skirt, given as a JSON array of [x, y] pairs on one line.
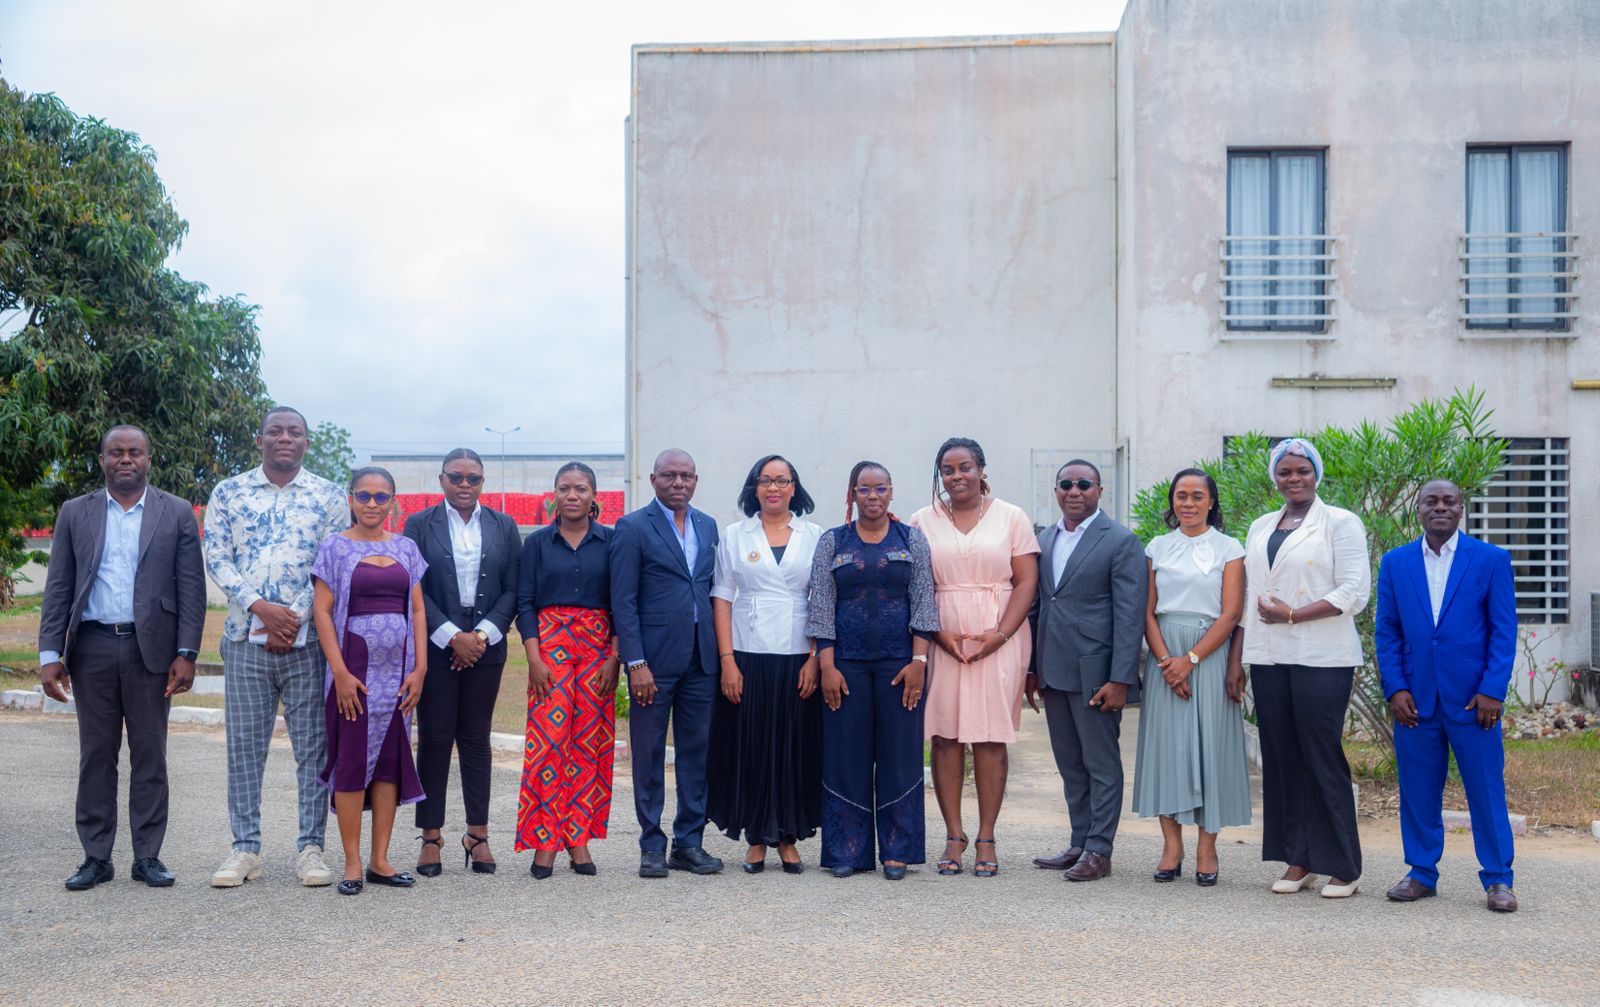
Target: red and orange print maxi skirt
[[566, 763]]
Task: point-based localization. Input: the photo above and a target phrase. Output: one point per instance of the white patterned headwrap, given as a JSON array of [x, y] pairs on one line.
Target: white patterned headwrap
[[1294, 446]]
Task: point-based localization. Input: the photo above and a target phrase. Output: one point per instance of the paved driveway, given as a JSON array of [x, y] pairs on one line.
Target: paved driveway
[[1025, 937]]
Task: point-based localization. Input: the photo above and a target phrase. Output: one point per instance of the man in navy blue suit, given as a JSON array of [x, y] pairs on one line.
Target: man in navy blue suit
[[1446, 643], [662, 557]]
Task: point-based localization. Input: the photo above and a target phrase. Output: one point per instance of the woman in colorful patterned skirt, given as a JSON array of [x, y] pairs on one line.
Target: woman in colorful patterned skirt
[[564, 616], [372, 627]]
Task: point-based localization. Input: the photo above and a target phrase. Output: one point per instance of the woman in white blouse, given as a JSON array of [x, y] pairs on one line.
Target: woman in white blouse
[[765, 762], [1191, 768], [1309, 574]]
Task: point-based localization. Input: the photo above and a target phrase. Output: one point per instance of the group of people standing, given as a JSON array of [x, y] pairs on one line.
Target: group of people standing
[[799, 670]]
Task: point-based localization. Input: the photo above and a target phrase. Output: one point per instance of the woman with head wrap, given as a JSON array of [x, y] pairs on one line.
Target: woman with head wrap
[[1308, 574]]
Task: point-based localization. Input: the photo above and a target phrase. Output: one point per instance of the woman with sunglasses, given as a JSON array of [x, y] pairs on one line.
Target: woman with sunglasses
[[564, 616], [471, 596], [872, 612], [371, 625], [765, 762]]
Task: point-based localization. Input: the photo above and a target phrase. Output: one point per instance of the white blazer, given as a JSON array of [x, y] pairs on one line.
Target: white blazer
[[769, 598], [1325, 559]]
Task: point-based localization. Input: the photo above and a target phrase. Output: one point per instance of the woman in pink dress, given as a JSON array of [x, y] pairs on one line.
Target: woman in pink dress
[[985, 569]]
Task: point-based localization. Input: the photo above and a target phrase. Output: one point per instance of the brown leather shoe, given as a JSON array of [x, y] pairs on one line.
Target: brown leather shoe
[[1409, 889], [1089, 867], [1061, 861], [1502, 899]]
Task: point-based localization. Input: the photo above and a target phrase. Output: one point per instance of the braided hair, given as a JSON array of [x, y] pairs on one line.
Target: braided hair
[[850, 489], [940, 498]]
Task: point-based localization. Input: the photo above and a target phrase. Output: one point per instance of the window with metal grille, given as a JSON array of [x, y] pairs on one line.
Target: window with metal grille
[[1518, 260], [1277, 260], [1525, 511]]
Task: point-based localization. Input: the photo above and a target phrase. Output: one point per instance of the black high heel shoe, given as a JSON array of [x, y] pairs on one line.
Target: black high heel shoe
[[1164, 874], [539, 871], [985, 868], [894, 872], [478, 866], [431, 870], [1205, 879]]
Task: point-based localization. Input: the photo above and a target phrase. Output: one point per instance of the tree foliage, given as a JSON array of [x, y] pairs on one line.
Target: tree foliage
[[1375, 472], [329, 454], [102, 332]]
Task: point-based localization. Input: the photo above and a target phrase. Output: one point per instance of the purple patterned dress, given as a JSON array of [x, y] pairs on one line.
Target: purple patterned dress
[[372, 619]]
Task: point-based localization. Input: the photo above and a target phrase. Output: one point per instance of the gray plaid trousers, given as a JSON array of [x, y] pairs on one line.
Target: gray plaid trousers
[[253, 683]]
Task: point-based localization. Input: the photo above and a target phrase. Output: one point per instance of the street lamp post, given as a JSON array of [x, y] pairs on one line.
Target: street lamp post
[[502, 434]]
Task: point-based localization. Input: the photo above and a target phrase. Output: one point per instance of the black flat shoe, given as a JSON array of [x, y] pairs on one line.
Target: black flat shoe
[[842, 872], [351, 886], [894, 873], [793, 868], [431, 870], [399, 879], [693, 859], [1165, 874], [90, 873], [1205, 879], [652, 864], [152, 872], [478, 866], [754, 868], [539, 871]]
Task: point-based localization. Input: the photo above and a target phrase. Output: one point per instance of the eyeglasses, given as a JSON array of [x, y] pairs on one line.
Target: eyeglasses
[[1083, 485], [782, 482], [457, 478], [873, 491], [369, 497]]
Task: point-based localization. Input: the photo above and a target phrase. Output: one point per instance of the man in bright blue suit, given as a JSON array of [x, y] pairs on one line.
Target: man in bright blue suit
[[662, 558], [1446, 642]]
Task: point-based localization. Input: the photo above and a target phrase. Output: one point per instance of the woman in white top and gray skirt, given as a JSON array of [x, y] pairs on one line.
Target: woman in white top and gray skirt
[[1191, 764]]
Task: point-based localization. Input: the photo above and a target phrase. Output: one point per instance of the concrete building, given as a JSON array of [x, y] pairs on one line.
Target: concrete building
[[1228, 215]]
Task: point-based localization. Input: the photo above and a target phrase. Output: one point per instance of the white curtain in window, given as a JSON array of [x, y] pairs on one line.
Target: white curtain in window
[[1488, 212], [1538, 200], [1249, 213], [1299, 205]]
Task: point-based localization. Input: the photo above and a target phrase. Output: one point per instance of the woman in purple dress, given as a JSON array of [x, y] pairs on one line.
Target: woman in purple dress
[[373, 631]]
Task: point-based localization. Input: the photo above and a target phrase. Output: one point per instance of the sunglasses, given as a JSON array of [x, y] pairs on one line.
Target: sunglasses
[[369, 497], [457, 478], [1083, 485]]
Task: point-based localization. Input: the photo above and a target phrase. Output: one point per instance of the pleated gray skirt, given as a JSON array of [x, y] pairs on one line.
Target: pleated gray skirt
[[1191, 764]]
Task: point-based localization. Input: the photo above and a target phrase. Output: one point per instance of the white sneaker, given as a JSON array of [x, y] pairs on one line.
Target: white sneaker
[[241, 866], [310, 869]]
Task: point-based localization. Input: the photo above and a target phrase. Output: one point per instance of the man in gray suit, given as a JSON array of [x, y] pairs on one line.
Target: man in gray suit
[[124, 603], [1088, 621]]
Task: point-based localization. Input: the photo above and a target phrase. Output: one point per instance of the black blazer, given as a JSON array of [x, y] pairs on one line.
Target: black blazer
[[169, 586], [497, 573]]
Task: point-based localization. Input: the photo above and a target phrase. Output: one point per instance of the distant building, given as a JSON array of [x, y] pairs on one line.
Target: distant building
[[1228, 215], [523, 492]]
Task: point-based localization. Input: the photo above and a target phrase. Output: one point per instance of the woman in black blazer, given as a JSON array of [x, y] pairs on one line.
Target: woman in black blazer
[[470, 590]]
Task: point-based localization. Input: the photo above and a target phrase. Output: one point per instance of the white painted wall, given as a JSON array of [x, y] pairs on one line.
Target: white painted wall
[[850, 250], [1395, 92]]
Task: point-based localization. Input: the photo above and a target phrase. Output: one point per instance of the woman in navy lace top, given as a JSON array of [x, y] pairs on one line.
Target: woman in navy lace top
[[872, 612]]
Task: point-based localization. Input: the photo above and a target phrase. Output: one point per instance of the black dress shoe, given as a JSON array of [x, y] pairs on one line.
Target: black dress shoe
[[652, 864], [588, 870], [754, 868], [1168, 873], [693, 859], [540, 871], [435, 869], [152, 872], [1205, 879], [1061, 861], [793, 868], [1090, 867], [894, 872], [1409, 889], [842, 870], [399, 879], [351, 886], [90, 873]]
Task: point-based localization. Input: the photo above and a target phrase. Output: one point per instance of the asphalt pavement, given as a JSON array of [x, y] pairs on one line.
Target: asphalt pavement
[[1025, 937]]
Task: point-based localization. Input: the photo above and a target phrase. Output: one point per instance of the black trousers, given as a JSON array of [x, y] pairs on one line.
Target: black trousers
[[1308, 810], [456, 711], [112, 687]]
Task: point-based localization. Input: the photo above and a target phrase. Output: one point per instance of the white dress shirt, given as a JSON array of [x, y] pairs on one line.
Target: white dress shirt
[[1066, 543], [768, 597], [466, 548], [111, 595], [1437, 565]]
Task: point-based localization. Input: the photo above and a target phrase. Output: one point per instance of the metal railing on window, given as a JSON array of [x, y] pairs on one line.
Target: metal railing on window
[[1518, 281], [1525, 511], [1278, 284]]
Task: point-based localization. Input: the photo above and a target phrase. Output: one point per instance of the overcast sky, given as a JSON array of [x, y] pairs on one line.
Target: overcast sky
[[425, 199]]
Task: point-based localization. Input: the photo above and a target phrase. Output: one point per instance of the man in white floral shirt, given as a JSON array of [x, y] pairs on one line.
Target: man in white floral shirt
[[262, 532]]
